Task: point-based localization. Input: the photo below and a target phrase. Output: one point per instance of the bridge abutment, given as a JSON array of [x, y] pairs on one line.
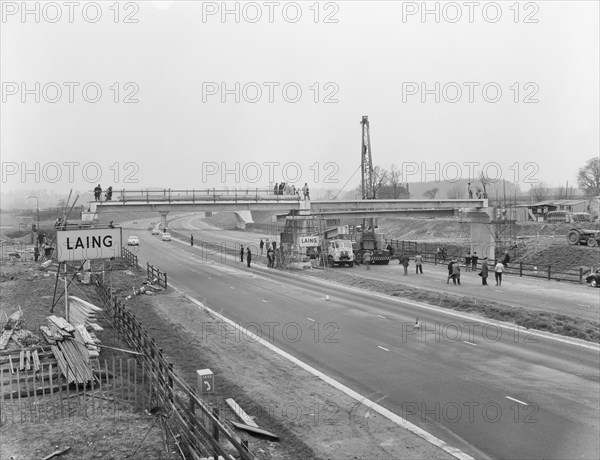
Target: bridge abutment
[[482, 238]]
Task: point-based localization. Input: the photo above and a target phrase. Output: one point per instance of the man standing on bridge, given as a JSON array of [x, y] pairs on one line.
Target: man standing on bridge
[[191, 240], [261, 245], [98, 193], [248, 256], [241, 253], [305, 191]]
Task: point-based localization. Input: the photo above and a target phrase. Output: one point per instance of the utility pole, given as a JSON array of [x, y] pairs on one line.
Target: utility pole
[[37, 213]]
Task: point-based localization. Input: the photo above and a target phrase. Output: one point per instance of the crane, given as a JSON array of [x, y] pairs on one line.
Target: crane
[[368, 239]]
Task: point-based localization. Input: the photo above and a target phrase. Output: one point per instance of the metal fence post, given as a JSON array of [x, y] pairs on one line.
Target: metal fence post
[[549, 271], [521, 269]]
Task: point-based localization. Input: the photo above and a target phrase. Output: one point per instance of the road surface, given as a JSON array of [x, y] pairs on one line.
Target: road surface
[[485, 389]]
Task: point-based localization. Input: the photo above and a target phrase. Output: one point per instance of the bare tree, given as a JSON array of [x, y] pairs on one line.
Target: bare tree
[[588, 177], [539, 191], [455, 192], [380, 179], [485, 181], [396, 188], [431, 193]]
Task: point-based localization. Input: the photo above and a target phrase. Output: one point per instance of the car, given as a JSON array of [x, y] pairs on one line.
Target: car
[[593, 279], [156, 231], [133, 241], [166, 237]]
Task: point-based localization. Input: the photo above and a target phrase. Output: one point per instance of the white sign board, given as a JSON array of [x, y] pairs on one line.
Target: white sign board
[[308, 241], [206, 381], [88, 244]]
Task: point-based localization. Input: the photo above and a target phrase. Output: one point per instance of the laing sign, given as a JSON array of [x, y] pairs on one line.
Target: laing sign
[[88, 244]]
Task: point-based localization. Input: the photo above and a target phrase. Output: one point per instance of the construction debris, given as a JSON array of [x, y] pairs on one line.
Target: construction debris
[[240, 413]]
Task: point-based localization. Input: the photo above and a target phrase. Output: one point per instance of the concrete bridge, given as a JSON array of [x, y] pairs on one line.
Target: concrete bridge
[[243, 201]]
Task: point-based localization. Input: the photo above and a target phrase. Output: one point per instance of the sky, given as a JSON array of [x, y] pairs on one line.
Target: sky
[[188, 94]]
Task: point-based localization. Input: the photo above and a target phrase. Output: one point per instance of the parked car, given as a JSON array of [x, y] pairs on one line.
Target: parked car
[[166, 237], [133, 241], [156, 231], [593, 279]]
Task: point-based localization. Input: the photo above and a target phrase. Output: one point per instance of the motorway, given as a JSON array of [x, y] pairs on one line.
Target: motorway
[[489, 390]]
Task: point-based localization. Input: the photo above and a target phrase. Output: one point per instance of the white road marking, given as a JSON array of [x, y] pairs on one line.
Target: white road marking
[[379, 346], [310, 319], [264, 301], [582, 305], [400, 421], [231, 287], [470, 343], [382, 316], [517, 401]]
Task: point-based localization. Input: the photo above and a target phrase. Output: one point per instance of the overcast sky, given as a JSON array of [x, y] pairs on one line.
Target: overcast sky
[[517, 92]]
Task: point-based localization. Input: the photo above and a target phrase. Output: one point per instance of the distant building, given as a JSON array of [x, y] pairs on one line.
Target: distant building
[[552, 210]]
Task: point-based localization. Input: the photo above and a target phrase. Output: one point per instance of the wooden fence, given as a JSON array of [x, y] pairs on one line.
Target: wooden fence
[[154, 273], [129, 257], [199, 425], [44, 394]]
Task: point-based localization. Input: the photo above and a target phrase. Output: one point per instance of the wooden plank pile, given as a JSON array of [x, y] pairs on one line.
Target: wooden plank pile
[[73, 361], [82, 312], [13, 323], [73, 346]]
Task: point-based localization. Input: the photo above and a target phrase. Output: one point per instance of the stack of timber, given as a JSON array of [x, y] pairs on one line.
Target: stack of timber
[[82, 312], [71, 350], [73, 361], [82, 315], [13, 323]]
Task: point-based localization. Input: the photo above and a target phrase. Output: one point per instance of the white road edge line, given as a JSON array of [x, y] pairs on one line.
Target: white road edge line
[[517, 401], [379, 346], [470, 343], [457, 453]]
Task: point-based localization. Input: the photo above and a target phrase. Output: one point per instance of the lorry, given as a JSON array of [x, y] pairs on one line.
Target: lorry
[[337, 244]]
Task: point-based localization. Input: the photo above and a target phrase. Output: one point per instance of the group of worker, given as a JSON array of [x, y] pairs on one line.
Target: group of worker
[[98, 193]]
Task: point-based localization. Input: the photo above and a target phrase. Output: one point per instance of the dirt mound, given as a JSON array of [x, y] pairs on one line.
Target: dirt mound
[[561, 254]]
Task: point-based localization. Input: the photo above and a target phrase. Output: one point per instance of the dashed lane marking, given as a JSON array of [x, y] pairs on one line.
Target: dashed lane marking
[[470, 343], [382, 316], [265, 301], [310, 319], [400, 421], [379, 346]]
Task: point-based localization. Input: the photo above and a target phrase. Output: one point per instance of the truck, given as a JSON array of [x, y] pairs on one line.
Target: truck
[[338, 247]]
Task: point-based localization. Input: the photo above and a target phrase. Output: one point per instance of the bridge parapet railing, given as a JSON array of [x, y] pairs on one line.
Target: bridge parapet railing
[[202, 195]]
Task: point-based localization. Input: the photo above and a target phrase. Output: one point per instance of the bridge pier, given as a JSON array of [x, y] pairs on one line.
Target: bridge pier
[[482, 236], [163, 220], [243, 218]]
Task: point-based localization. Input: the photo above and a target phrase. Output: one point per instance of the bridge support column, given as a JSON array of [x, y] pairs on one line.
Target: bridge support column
[[243, 218], [482, 235], [163, 220]]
